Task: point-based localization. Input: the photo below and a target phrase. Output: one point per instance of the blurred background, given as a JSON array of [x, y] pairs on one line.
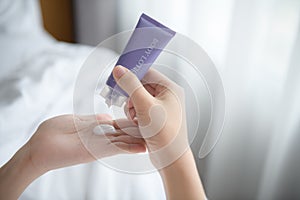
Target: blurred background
[[255, 45]]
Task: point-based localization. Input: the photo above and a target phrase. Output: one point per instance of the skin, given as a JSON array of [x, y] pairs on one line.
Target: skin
[[58, 143], [69, 140], [168, 148]]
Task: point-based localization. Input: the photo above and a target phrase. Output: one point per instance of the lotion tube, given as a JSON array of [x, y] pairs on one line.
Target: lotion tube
[[145, 44]]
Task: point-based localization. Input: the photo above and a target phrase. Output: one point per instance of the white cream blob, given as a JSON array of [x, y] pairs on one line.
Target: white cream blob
[[103, 129]]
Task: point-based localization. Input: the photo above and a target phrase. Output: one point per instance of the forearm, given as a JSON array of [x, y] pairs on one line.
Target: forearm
[[16, 175], [181, 179]]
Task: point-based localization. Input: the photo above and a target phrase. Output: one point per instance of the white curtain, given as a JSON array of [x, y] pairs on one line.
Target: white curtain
[[255, 46]]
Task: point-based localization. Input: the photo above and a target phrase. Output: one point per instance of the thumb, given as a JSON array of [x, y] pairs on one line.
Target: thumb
[[131, 85]]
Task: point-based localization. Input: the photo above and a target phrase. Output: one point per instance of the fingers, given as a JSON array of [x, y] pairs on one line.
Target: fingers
[[158, 83], [123, 143], [129, 148], [129, 103], [131, 85], [126, 139], [85, 121], [103, 117], [102, 143], [128, 144], [104, 128], [100, 146], [151, 90], [123, 123], [130, 112], [129, 127], [99, 117]]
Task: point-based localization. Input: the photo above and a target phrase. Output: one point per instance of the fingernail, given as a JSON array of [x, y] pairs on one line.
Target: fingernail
[[119, 71]]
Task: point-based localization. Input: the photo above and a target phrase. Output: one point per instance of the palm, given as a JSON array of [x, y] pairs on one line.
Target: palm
[[68, 140]]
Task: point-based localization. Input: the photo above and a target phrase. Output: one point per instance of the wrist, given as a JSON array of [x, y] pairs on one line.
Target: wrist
[[186, 159], [17, 174], [181, 178]]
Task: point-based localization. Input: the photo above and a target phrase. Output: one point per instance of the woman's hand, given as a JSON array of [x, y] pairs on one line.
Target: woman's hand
[[60, 142], [157, 104], [69, 140], [158, 108]]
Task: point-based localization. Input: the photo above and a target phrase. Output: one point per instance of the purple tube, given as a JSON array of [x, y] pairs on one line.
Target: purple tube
[[145, 44]]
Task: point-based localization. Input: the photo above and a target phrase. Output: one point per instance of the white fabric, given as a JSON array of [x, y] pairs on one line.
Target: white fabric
[[19, 16], [42, 88], [20, 24]]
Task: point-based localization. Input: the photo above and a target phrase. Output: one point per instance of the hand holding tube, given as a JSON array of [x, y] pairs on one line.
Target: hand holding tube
[[158, 107]]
